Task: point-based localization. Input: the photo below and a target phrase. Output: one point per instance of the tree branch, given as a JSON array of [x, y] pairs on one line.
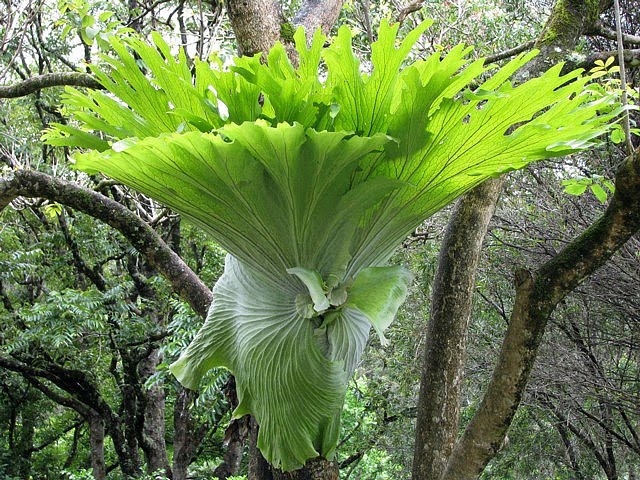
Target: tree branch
[[446, 340], [32, 374], [56, 438], [626, 125], [510, 53], [35, 184], [606, 32], [64, 400], [32, 85], [631, 59], [409, 9], [314, 14], [537, 295]]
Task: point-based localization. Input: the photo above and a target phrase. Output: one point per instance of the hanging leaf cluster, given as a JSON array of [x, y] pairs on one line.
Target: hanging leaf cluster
[[310, 176]]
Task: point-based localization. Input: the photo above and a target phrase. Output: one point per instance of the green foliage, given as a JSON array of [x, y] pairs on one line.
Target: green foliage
[[310, 182], [596, 184], [610, 84]]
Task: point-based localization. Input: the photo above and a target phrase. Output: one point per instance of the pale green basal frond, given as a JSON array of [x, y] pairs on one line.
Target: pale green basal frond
[[310, 177], [282, 377]]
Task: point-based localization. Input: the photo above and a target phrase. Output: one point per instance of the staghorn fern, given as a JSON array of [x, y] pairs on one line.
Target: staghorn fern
[[310, 182]]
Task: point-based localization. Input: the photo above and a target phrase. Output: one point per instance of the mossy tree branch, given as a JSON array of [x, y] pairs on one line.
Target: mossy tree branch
[[32, 85], [611, 34]]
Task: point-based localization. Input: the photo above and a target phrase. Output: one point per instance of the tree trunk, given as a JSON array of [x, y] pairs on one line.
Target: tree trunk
[[187, 435], [234, 441], [235, 436], [316, 469], [256, 24], [536, 297], [153, 431], [259, 468], [454, 284], [96, 446]]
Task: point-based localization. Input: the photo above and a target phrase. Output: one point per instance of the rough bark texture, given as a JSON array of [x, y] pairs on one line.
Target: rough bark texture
[[259, 469], [454, 284], [36, 84], [35, 184], [153, 431], [235, 436], [256, 23], [96, 447], [314, 14], [316, 469], [187, 435], [569, 20]]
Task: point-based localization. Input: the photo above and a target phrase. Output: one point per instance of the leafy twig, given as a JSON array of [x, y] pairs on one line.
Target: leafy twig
[[623, 78]]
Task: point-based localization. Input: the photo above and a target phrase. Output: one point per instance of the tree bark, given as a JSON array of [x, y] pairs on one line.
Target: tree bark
[[187, 435], [96, 447], [153, 434], [438, 408], [36, 84], [318, 14], [234, 438], [259, 468], [569, 20], [256, 23], [315, 469]]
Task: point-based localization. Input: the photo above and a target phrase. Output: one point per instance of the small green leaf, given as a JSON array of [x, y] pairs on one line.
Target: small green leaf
[[598, 74], [610, 185], [599, 192], [87, 21], [575, 189], [53, 210], [104, 16], [314, 284], [617, 135]]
